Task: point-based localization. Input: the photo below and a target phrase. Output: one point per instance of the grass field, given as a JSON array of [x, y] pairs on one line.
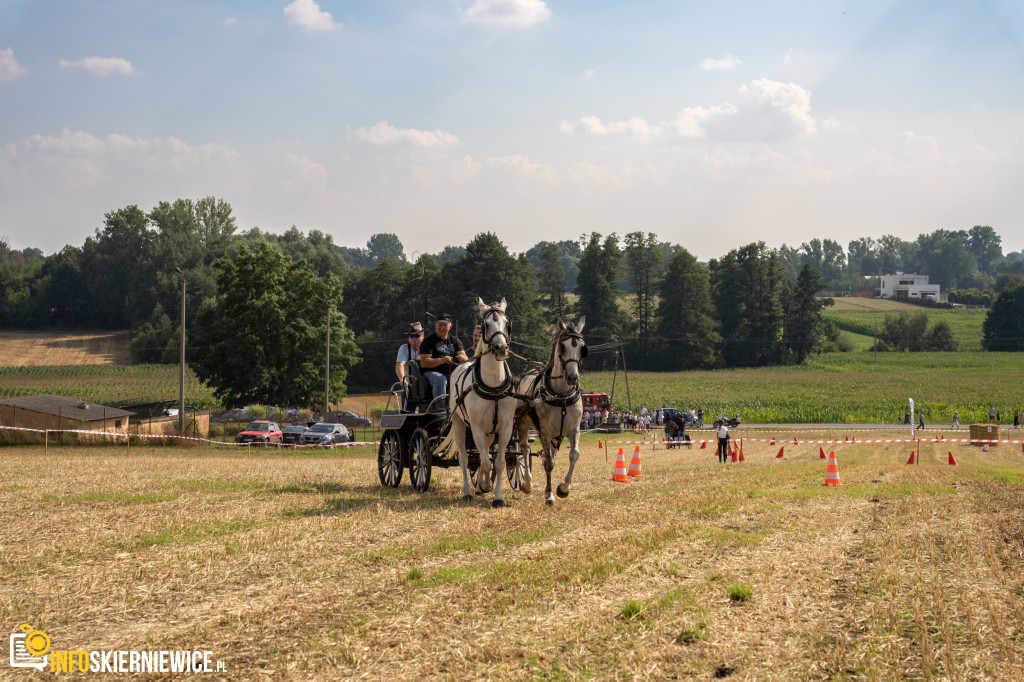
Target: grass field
[[859, 316], [837, 388], [303, 567]]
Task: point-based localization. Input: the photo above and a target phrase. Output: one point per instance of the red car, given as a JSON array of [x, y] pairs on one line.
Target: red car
[[260, 431]]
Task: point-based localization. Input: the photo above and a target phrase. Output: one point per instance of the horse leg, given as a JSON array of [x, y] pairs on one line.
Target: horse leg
[[549, 462], [574, 454], [483, 446], [503, 437], [526, 485], [459, 433]]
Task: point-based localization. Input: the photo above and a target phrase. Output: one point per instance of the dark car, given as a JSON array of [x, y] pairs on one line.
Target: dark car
[[260, 431], [323, 433], [349, 419], [293, 434]]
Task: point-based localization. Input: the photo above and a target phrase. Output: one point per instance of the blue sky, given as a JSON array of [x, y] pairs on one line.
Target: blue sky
[[712, 124]]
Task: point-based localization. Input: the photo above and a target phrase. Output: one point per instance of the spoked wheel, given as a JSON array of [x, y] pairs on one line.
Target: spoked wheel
[[389, 459], [419, 461], [516, 465]]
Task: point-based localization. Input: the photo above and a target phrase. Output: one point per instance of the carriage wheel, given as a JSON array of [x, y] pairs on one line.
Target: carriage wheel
[[389, 459], [516, 465], [419, 461]]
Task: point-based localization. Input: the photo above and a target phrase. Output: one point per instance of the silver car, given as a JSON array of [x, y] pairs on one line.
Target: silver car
[[325, 434]]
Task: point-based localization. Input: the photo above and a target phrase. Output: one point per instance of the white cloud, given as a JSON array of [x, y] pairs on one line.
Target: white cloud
[[230, 21], [308, 15], [100, 66], [507, 13], [692, 121], [787, 102], [84, 160], [9, 66], [589, 73], [725, 64], [522, 167], [307, 179], [384, 133], [593, 125]]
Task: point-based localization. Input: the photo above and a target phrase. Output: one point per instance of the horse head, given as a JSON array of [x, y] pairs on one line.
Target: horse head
[[495, 327], [570, 348]]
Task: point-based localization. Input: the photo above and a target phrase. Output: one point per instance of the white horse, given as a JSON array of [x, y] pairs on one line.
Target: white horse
[[556, 408], [480, 396]]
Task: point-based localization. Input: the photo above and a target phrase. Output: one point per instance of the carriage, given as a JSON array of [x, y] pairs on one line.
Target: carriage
[[409, 438]]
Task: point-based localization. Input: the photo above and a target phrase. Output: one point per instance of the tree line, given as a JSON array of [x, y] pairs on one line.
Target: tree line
[[257, 301]]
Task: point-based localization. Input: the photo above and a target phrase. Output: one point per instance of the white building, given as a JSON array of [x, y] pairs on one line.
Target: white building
[[902, 286]]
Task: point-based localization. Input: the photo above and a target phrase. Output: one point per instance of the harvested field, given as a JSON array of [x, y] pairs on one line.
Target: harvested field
[[31, 349], [301, 566]]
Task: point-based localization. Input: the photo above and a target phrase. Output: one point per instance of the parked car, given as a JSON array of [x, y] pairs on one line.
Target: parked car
[[323, 433], [240, 414], [349, 418], [172, 410], [260, 431], [293, 434]]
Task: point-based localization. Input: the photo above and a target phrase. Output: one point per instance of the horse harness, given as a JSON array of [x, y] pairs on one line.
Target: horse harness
[[552, 397]]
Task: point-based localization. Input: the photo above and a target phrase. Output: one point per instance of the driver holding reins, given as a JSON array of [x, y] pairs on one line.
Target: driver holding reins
[[439, 352]]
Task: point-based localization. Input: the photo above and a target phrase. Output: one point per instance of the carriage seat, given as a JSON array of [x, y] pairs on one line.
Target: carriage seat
[[420, 393]]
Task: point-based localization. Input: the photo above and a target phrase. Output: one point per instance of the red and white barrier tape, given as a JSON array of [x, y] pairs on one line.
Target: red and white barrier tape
[[117, 434]]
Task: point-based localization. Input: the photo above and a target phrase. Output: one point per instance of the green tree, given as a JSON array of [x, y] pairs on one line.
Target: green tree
[[747, 288], [552, 278], [906, 331], [985, 245], [384, 245], [596, 286], [1003, 329], [940, 337], [686, 329], [645, 261], [262, 339], [110, 264], [805, 330]]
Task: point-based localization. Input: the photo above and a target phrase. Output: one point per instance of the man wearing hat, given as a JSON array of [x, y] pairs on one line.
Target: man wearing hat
[[410, 350], [439, 352]]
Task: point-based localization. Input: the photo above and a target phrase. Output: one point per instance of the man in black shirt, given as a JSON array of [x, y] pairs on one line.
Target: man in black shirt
[[439, 352]]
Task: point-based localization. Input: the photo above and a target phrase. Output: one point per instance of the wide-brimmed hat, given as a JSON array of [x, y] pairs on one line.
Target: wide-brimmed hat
[[444, 317], [415, 328]]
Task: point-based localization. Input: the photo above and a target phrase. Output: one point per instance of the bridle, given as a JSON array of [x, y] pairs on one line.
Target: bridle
[[568, 333], [506, 333]]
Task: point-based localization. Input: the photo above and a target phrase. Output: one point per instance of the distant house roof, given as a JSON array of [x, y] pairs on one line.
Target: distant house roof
[[70, 408]]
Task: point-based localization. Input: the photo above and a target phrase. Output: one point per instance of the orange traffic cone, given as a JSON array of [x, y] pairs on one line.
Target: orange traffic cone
[[634, 466], [781, 450], [599, 446], [854, 439], [795, 441], [913, 458], [619, 474], [734, 453], [703, 445], [742, 458], [821, 452], [846, 439], [773, 441], [832, 471], [952, 461]]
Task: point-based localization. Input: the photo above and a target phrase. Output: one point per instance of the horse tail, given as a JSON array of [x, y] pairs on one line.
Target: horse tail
[[447, 447]]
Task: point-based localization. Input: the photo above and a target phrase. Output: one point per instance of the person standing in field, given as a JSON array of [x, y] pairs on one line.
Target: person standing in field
[[991, 413], [723, 443], [1016, 417], [956, 420], [921, 418]]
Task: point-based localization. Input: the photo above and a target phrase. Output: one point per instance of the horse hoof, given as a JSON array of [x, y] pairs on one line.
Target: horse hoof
[[497, 504], [467, 497], [558, 491], [525, 487], [549, 502]]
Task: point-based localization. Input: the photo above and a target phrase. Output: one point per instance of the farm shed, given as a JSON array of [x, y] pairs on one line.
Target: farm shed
[[58, 412]]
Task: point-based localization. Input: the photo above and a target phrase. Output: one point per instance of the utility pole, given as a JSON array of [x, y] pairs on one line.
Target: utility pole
[[181, 367], [327, 359]]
